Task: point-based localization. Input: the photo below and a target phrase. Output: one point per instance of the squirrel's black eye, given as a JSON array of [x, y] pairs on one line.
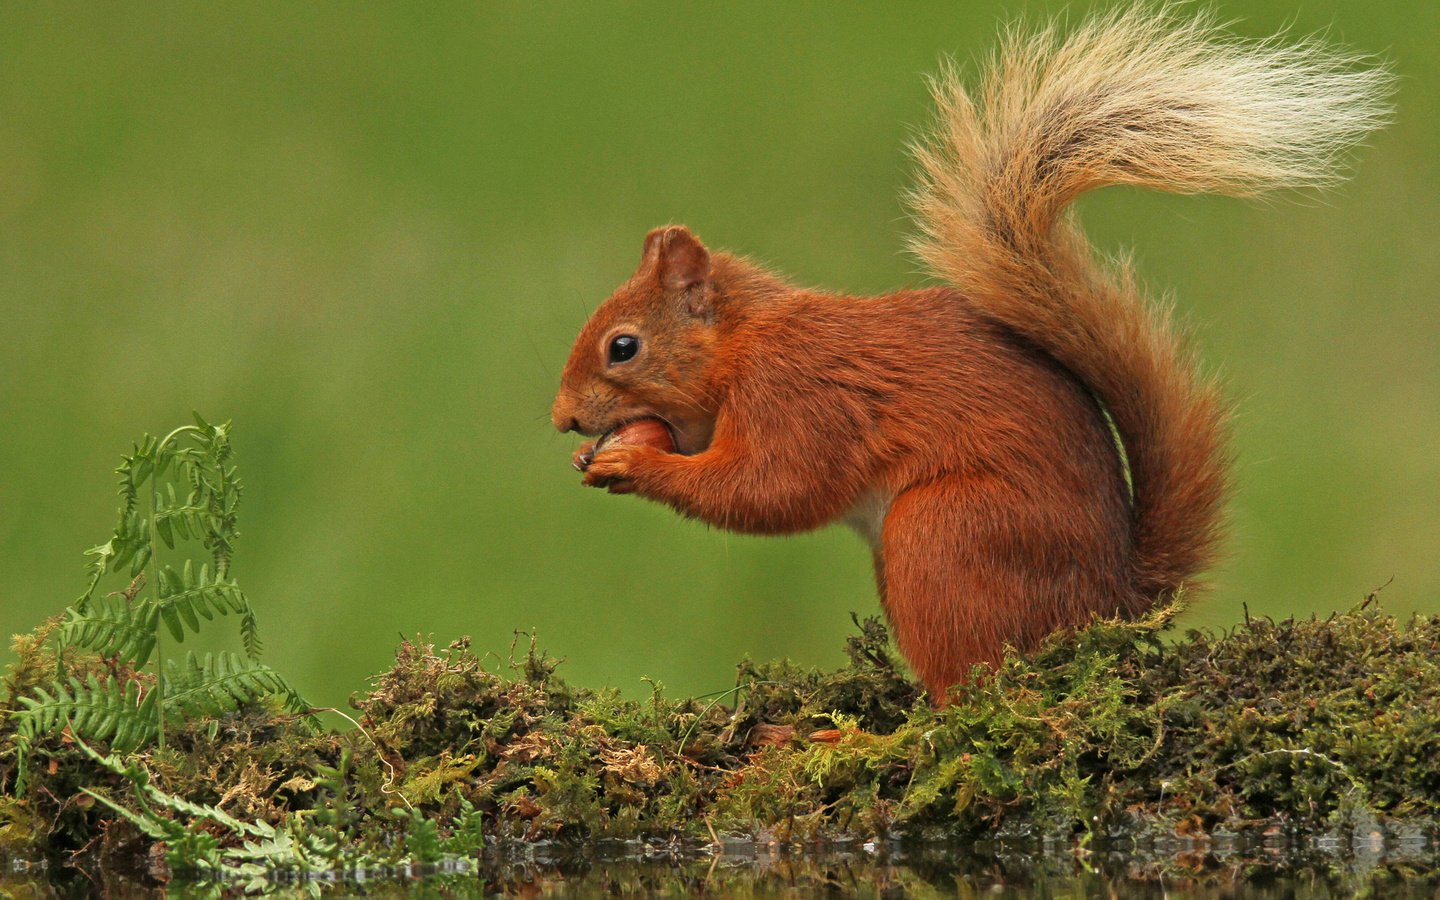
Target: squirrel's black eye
[[623, 347]]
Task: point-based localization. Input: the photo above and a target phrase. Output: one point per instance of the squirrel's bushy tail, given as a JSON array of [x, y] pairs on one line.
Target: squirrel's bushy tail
[[1136, 97]]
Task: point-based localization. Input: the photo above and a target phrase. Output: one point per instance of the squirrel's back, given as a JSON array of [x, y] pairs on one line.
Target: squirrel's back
[[1144, 98]]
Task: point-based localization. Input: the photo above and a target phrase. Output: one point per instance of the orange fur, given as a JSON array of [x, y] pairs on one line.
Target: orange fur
[[963, 429]]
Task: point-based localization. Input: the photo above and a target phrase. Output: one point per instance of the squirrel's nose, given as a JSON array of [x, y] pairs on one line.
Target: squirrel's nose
[[562, 414], [563, 419]]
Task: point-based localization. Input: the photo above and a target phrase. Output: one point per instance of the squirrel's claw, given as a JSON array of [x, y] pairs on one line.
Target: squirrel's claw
[[614, 468], [583, 456]]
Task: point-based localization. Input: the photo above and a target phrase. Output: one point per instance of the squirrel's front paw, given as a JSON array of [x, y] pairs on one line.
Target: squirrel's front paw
[[583, 456], [615, 467]]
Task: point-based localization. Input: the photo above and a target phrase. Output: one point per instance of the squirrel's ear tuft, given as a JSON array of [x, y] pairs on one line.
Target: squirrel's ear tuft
[[680, 261]]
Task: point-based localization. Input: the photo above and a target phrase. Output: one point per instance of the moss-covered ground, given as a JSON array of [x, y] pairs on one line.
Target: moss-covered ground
[[1314, 729]]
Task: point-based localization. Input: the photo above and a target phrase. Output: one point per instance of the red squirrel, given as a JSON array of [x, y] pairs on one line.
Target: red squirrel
[[1028, 445]]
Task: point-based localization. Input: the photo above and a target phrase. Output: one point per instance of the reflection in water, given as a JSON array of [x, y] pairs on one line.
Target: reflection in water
[[1396, 866], [1220, 868]]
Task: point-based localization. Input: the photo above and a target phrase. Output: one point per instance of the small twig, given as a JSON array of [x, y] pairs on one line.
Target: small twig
[[1374, 595], [685, 738], [85, 848], [389, 786], [131, 592], [1355, 782], [699, 765], [1159, 736]]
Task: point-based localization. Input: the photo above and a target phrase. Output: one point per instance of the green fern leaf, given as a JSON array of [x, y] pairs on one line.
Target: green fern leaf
[[131, 543], [153, 827], [194, 459], [187, 596], [219, 682], [250, 634], [150, 795], [101, 558], [109, 710], [185, 518], [137, 468], [113, 626]]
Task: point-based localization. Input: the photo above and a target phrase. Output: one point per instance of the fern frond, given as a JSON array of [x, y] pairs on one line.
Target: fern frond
[[186, 596], [153, 827], [194, 832], [185, 517], [99, 564], [197, 458], [250, 634], [129, 544], [110, 710], [113, 627], [206, 686], [136, 469], [217, 485], [149, 794]]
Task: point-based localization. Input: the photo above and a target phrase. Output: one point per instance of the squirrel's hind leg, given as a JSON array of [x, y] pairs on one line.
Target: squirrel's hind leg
[[966, 566]]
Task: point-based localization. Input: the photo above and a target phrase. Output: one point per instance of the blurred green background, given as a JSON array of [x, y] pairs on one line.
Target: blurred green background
[[368, 234]]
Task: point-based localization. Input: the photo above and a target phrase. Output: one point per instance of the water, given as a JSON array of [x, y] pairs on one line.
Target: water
[[1229, 866]]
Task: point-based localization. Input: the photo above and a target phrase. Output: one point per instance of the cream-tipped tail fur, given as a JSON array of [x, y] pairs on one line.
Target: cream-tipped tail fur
[[1145, 97]]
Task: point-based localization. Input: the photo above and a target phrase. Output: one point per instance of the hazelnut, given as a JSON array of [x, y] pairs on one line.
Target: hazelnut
[[650, 432]]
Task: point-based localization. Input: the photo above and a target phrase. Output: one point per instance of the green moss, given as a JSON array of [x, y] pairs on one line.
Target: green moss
[[1110, 730]]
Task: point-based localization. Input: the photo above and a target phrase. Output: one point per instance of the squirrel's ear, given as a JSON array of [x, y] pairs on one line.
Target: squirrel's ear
[[679, 260]]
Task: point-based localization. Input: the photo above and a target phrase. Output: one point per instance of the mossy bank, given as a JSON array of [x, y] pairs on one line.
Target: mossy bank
[[1318, 726]]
